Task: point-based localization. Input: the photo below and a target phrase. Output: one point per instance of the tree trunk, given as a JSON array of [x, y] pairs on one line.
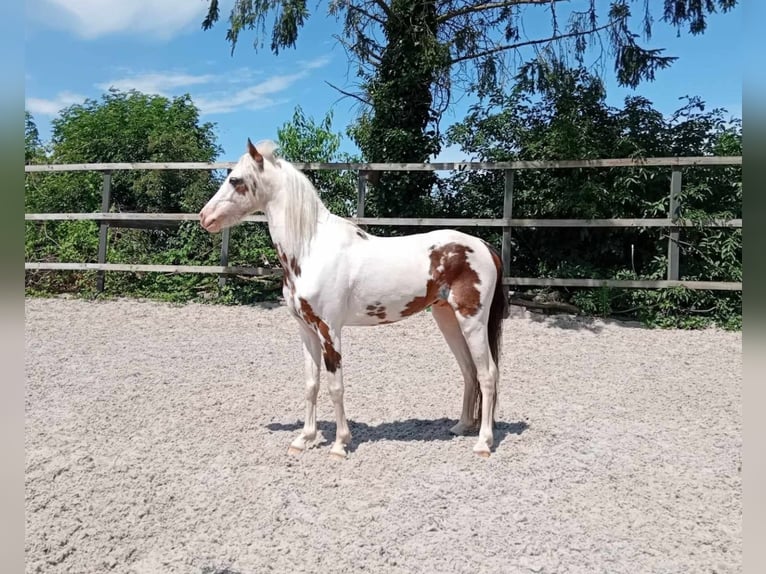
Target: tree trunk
[[401, 127]]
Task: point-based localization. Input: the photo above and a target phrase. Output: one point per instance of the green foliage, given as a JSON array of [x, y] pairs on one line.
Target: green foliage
[[563, 115], [33, 148], [401, 125], [135, 128], [557, 113], [303, 140], [120, 127], [410, 53]]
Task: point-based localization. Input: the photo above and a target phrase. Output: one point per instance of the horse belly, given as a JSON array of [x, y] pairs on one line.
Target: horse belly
[[395, 278], [388, 289]]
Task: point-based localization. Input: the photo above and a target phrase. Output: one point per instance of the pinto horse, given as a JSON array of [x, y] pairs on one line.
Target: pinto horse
[[336, 274]]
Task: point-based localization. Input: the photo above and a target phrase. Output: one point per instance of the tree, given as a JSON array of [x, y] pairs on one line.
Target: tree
[[303, 139], [136, 127], [123, 127], [409, 53], [563, 115], [33, 148]]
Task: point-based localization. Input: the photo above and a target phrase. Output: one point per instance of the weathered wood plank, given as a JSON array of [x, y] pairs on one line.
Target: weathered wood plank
[[103, 231], [260, 271], [140, 268], [437, 166], [145, 225], [117, 217], [383, 221], [225, 235], [50, 168], [624, 283], [505, 252], [361, 193], [674, 253]]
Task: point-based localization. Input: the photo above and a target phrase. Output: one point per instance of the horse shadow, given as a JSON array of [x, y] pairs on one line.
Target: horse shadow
[[419, 430]]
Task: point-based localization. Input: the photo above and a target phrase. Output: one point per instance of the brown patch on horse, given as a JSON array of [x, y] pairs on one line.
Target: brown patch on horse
[[376, 310], [291, 268], [287, 278], [450, 270], [331, 356], [296, 269], [420, 303]]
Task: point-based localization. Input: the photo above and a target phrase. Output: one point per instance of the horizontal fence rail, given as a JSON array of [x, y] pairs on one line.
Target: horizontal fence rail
[[674, 223], [397, 221], [438, 166], [277, 272]]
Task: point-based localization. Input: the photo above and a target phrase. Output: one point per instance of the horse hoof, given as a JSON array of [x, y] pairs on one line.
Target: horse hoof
[[295, 451], [337, 456], [482, 454]]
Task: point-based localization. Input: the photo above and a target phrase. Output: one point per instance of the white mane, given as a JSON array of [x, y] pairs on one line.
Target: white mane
[[302, 205]]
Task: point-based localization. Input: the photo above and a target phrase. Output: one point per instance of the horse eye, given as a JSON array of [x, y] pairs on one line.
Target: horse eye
[[235, 181]]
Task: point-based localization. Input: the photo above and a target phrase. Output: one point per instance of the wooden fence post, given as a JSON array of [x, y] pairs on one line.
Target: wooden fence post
[[507, 214], [224, 254], [673, 251], [361, 193], [103, 230], [225, 234]]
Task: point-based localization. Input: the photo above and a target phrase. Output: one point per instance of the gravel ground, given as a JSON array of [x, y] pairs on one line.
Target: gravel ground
[[157, 435]]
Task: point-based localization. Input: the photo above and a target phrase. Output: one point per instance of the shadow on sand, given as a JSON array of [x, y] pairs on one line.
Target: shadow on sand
[[407, 430], [580, 322]]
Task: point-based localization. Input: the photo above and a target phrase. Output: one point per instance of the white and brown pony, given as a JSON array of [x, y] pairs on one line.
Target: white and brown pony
[[336, 274]]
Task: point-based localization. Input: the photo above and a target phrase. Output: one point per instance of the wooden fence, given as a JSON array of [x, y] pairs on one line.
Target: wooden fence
[[507, 222]]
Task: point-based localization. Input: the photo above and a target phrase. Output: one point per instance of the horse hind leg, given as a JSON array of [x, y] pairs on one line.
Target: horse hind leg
[[450, 328], [477, 340]]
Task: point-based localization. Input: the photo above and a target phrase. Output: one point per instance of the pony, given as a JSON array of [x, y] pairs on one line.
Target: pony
[[337, 274]]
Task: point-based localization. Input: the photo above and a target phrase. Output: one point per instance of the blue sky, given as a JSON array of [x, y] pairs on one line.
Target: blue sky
[[77, 49]]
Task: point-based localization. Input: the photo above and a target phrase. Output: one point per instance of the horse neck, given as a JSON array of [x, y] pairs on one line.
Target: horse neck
[[293, 247]]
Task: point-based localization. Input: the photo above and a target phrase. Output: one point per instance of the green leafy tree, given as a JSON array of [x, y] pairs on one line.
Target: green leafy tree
[[33, 147], [304, 140], [135, 127], [410, 53], [122, 127], [563, 115]]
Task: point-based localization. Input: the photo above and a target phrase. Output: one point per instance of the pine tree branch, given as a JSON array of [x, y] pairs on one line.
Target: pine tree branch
[[349, 94], [383, 6], [357, 49], [366, 14], [490, 6], [497, 49]]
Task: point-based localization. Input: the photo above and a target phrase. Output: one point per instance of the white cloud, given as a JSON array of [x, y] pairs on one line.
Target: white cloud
[[51, 107], [252, 98], [163, 84], [211, 93], [91, 19], [233, 94], [319, 62], [257, 96]]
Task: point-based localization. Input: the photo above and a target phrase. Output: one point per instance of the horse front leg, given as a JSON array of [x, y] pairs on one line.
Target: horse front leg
[[312, 352], [332, 359]]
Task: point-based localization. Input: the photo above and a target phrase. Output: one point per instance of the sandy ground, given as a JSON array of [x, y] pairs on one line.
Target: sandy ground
[[157, 435]]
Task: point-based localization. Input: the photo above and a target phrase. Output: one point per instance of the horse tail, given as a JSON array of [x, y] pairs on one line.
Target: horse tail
[[498, 311]]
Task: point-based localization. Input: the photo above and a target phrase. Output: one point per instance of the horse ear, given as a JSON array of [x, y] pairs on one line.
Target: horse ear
[[254, 153]]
